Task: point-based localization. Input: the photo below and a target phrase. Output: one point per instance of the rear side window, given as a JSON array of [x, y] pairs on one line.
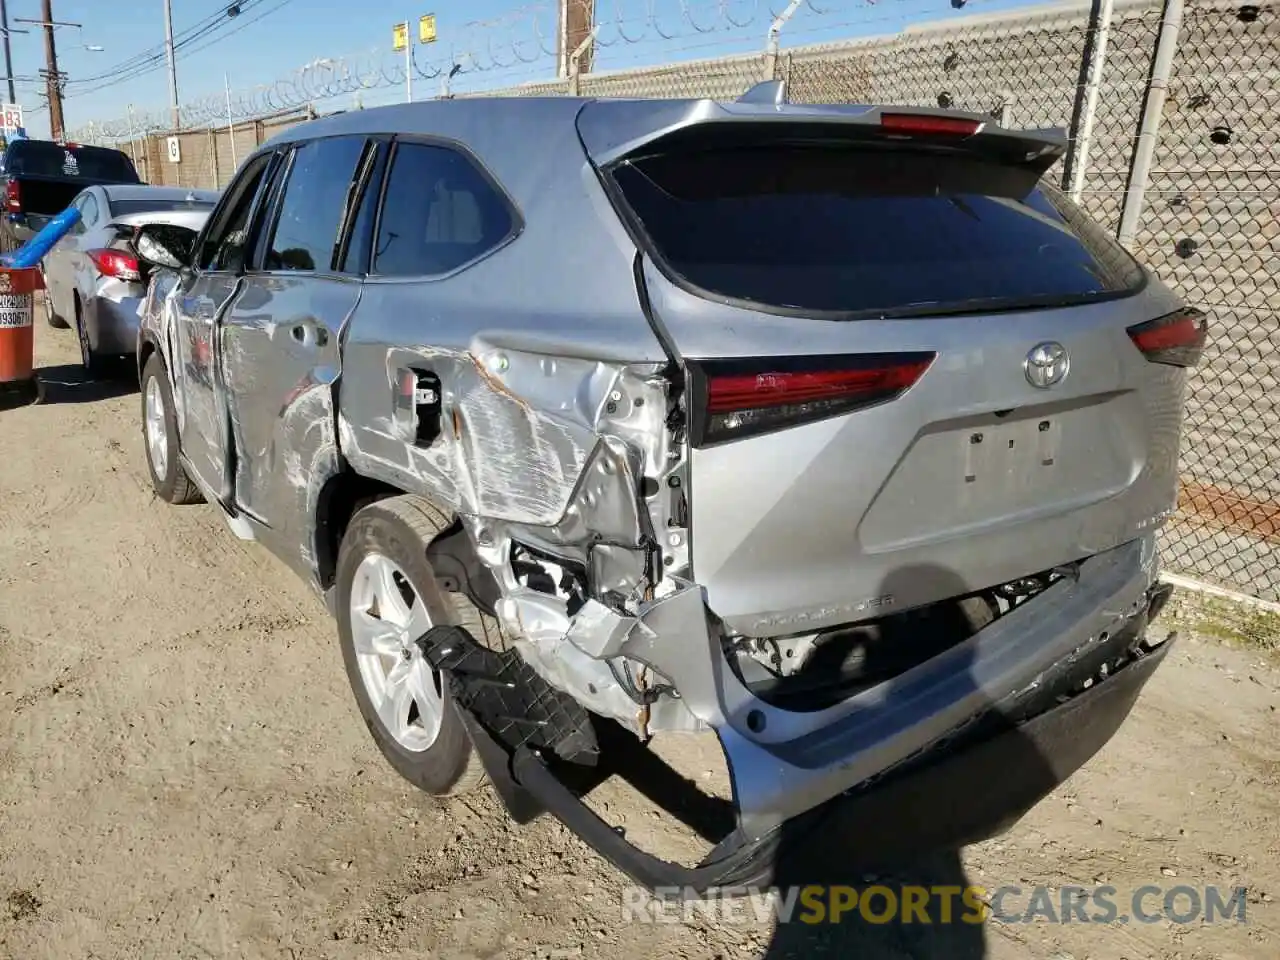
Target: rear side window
[[43, 158], [439, 213], [853, 229], [309, 227]]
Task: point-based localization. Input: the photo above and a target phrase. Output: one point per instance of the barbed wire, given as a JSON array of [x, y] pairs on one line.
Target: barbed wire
[[523, 39]]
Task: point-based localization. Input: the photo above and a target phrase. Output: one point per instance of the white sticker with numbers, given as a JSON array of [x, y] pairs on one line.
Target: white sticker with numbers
[[15, 311]]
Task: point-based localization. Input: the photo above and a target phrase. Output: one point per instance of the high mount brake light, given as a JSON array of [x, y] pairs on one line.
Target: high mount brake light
[[742, 398], [1177, 338], [927, 124], [114, 263]]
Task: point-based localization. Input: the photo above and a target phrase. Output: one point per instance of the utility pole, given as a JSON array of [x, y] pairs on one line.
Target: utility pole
[[53, 78], [173, 67], [8, 60], [577, 19]]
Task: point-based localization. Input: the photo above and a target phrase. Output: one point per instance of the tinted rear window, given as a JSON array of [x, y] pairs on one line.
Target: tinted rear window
[[40, 158], [819, 228], [122, 207]]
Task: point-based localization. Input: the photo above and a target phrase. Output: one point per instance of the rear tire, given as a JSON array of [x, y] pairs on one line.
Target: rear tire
[[431, 748], [94, 365], [169, 478], [57, 321]]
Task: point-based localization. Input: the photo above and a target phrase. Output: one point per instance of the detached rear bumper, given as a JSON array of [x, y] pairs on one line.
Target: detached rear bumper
[[946, 754], [951, 797]]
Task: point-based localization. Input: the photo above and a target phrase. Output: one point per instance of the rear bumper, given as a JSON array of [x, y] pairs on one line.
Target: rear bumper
[[113, 324], [946, 754], [786, 763], [952, 795]]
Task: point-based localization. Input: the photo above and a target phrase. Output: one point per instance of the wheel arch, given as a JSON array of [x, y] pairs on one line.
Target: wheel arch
[[451, 553]]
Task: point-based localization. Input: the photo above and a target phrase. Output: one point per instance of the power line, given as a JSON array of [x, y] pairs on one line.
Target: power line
[[154, 58], [157, 52]]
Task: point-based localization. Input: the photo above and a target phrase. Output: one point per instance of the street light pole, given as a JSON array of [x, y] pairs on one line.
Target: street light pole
[[173, 67], [56, 127]]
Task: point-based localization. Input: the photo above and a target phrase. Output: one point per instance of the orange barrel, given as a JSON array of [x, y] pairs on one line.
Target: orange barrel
[[17, 335]]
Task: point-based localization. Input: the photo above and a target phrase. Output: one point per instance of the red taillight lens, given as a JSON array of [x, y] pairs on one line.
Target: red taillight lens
[[115, 263], [925, 124], [744, 398], [1176, 338], [13, 196]]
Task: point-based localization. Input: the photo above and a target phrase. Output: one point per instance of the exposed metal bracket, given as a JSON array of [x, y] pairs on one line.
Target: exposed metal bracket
[[767, 91]]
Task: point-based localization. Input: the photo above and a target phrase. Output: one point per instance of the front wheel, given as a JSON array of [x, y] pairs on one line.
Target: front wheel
[[55, 319], [388, 597], [93, 364], [169, 478]]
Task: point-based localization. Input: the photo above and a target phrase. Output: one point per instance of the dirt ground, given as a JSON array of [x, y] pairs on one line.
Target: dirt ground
[[183, 772]]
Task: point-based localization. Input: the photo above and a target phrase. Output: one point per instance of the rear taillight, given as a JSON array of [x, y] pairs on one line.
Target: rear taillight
[[13, 197], [1176, 338], [743, 398], [115, 263], [923, 124]]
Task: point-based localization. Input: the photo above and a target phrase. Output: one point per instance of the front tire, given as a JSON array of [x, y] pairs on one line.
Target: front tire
[[93, 364], [387, 596], [56, 320], [169, 478]]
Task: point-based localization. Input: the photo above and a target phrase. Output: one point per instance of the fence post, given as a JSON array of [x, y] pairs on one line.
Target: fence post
[[213, 150], [771, 41], [1152, 114], [1095, 56], [575, 60]]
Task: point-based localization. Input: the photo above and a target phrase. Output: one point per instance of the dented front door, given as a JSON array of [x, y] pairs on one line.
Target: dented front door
[[197, 307]]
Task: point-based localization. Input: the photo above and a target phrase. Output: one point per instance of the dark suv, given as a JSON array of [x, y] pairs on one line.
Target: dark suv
[[42, 177]]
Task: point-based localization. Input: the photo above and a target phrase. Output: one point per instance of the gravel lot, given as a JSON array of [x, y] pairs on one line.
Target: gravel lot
[[183, 772]]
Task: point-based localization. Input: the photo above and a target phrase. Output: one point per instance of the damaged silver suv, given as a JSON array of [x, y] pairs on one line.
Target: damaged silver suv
[[835, 430]]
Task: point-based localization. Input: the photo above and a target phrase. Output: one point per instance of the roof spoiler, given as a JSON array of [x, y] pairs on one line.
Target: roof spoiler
[[768, 91], [614, 129]]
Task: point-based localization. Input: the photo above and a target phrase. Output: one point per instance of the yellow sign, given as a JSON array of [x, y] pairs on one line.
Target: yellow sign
[[427, 28], [400, 36]]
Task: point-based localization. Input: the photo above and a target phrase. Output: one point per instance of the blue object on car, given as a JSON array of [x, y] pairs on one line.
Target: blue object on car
[[33, 251]]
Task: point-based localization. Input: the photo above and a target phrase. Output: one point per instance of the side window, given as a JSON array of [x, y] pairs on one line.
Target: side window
[[307, 232], [355, 259], [439, 213], [226, 241]]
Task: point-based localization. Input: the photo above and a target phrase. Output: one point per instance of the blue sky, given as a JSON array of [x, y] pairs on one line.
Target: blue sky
[[500, 42]]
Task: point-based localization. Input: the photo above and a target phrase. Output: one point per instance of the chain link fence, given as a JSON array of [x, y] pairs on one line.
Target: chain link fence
[[1208, 222]]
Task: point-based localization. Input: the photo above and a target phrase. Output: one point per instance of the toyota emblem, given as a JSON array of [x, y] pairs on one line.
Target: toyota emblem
[[1046, 364]]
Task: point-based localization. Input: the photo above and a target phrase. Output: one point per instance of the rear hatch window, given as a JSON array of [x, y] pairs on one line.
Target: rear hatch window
[[861, 227], [42, 158]]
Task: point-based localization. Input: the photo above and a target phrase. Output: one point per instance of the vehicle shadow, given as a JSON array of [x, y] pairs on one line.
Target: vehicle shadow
[[69, 383]]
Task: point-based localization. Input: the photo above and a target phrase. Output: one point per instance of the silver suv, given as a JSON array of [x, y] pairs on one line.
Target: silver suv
[[835, 430]]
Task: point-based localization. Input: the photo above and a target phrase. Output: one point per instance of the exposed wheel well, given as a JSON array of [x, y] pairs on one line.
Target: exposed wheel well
[[451, 554], [341, 497]]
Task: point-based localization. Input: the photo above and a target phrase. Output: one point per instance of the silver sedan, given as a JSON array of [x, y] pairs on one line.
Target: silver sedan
[[92, 276]]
